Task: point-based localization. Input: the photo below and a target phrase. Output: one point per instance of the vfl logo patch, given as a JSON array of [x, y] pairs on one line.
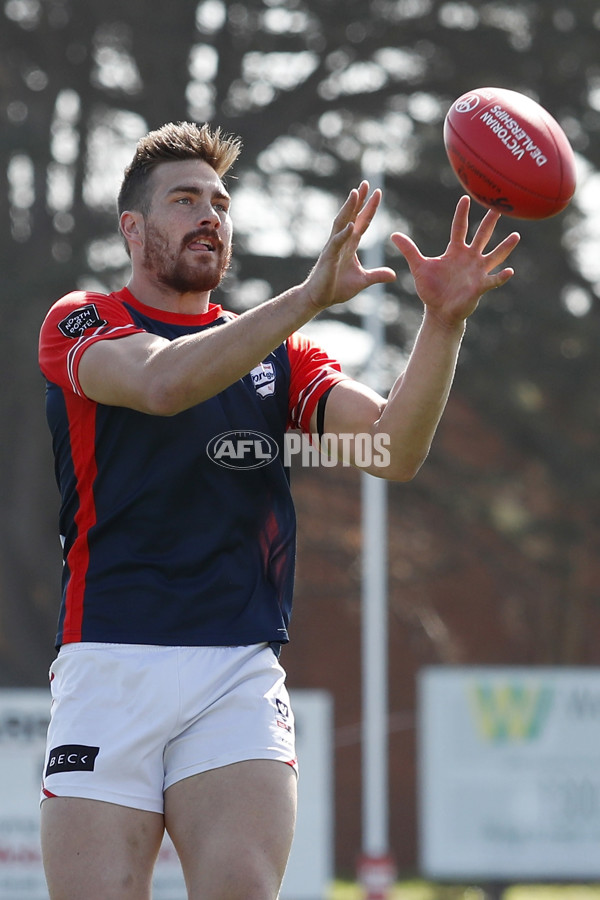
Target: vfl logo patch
[[282, 708], [81, 319], [72, 758], [263, 379], [283, 714]]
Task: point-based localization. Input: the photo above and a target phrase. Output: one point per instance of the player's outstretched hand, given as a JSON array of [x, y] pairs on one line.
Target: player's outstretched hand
[[338, 274], [452, 284]]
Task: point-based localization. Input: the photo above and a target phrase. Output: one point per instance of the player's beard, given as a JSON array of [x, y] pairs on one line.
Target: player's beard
[[172, 271]]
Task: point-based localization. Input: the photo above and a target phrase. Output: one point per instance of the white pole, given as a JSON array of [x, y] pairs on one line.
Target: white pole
[[374, 589], [374, 661]]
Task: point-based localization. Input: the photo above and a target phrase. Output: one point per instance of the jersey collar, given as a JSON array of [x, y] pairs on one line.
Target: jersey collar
[[161, 315]]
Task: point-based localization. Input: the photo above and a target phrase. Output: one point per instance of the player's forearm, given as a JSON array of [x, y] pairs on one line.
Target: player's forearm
[[418, 399], [194, 368]]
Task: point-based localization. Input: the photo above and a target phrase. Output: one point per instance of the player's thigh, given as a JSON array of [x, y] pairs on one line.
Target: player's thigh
[[233, 828], [98, 850]]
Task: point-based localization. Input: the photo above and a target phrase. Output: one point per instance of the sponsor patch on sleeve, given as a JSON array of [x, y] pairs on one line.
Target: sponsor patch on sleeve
[[78, 321]]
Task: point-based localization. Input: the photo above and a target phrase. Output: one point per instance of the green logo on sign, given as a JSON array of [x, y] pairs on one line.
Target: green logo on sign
[[511, 711]]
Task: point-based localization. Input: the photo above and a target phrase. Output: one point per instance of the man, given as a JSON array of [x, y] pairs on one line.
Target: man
[[169, 703]]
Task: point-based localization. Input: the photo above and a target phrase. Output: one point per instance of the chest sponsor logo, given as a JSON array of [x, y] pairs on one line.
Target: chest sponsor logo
[[74, 325], [242, 449], [72, 758], [263, 379]]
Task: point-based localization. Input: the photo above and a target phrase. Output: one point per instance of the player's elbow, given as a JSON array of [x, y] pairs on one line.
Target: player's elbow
[[163, 399], [165, 396], [389, 459], [402, 473], [401, 467]]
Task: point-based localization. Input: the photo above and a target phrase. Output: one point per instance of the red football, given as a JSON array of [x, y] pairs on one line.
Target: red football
[[509, 153]]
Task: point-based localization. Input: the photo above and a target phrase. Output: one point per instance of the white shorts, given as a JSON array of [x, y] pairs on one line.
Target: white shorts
[[129, 721]]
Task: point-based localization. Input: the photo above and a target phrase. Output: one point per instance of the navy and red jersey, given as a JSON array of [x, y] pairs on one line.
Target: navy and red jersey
[[161, 543]]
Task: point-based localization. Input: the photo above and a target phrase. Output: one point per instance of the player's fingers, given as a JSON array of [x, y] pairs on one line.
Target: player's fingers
[[368, 210], [485, 230], [339, 238], [497, 279], [407, 248], [347, 212], [363, 190], [382, 275], [460, 220], [500, 253]]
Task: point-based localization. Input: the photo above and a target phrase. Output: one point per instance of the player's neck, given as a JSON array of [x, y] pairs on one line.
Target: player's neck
[[152, 293]]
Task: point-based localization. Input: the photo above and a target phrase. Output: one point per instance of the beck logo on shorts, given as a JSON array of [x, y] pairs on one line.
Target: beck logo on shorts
[[72, 758], [79, 320]]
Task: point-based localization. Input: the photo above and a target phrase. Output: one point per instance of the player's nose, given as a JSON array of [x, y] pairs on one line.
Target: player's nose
[[206, 214]]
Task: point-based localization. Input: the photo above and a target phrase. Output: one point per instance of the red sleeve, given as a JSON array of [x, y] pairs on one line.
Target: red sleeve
[[313, 371], [74, 323]]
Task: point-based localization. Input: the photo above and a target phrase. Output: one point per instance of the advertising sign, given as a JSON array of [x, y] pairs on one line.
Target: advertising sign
[[509, 773], [24, 717]]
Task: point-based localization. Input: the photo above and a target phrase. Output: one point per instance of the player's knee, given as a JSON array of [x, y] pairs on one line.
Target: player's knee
[[254, 886], [252, 878]]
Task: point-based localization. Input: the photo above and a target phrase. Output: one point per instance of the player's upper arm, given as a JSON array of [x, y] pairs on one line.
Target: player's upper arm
[[116, 372], [352, 408], [350, 428]]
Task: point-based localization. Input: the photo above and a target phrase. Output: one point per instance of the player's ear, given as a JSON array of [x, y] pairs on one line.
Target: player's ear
[[132, 227]]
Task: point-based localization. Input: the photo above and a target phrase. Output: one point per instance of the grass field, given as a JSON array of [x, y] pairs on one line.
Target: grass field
[[421, 890]]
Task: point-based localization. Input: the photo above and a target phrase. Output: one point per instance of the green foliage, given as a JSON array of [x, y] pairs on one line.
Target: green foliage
[[423, 890]]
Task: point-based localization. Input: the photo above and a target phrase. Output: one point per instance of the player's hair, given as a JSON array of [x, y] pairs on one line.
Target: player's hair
[[174, 141]]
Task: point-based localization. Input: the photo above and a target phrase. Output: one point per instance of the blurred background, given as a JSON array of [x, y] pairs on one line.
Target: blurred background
[[494, 547]]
